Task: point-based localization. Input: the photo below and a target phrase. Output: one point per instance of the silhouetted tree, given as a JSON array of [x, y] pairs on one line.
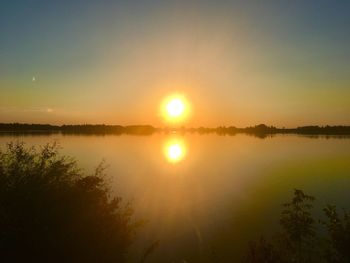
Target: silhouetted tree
[[50, 211], [339, 235], [299, 241], [297, 238]]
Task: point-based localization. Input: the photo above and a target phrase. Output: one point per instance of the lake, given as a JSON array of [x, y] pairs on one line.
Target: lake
[[205, 196]]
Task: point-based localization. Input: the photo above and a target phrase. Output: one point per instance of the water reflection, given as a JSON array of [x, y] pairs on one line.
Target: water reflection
[[175, 150], [228, 189]]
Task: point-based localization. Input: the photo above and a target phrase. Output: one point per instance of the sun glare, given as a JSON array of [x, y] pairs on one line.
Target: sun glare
[[175, 151], [175, 109]]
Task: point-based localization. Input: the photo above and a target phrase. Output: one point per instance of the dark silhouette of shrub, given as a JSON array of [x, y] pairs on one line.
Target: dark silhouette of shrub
[[299, 242], [338, 228], [297, 238], [296, 241], [262, 251], [50, 211]]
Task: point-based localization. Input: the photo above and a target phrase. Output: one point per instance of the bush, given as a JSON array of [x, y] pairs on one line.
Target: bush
[[50, 211], [299, 242]]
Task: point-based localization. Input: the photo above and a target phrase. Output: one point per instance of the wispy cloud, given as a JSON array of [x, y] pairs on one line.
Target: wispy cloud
[[31, 109]]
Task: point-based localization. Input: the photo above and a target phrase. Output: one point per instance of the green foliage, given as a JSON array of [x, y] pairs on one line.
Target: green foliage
[[262, 252], [50, 211], [296, 219], [298, 241], [339, 235]]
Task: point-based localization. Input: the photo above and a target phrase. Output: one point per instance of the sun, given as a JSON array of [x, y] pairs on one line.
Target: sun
[[175, 109]]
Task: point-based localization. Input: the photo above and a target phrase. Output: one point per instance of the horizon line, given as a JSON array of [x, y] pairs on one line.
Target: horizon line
[[173, 126]]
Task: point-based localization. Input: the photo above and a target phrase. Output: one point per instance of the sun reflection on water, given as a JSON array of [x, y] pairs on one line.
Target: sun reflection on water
[[175, 150]]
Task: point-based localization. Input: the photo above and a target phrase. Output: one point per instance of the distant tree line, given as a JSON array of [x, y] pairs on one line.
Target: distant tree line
[[77, 129], [265, 130], [260, 130]]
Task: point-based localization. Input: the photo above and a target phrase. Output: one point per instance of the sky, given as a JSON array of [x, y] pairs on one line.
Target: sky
[[241, 63]]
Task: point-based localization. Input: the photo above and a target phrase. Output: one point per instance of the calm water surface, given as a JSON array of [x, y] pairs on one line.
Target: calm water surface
[[205, 196]]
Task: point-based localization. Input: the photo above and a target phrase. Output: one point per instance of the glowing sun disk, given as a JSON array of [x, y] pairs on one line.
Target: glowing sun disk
[[175, 107]]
